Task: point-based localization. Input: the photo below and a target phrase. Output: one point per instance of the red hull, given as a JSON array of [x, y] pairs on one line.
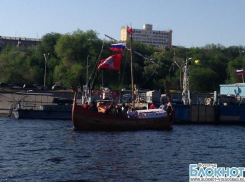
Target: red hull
[[84, 119]]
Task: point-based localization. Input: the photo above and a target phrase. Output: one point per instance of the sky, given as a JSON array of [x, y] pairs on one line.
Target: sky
[[195, 23]]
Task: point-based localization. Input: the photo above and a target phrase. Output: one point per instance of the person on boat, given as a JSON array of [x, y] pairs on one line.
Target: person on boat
[[141, 100], [123, 107], [113, 110], [135, 114], [124, 110], [94, 104], [118, 110], [108, 110], [86, 105], [169, 108], [132, 114], [163, 106], [152, 106]]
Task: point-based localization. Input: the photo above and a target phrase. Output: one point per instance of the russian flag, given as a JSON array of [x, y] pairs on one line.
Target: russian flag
[[239, 72], [118, 47]]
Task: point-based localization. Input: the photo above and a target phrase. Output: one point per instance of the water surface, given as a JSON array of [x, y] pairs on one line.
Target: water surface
[[45, 150]]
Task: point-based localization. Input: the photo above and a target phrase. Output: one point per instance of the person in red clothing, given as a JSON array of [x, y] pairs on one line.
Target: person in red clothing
[[86, 105], [152, 106], [169, 109]]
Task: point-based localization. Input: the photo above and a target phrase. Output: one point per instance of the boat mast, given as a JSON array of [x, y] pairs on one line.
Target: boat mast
[[132, 70]]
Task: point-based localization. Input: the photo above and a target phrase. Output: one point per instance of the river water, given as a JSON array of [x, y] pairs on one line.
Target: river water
[[43, 150]]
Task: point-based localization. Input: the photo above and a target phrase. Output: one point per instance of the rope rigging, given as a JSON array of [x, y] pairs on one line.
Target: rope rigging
[[149, 77], [139, 54], [95, 73]]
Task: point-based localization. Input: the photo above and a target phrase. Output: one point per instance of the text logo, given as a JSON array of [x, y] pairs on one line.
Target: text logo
[[211, 172]]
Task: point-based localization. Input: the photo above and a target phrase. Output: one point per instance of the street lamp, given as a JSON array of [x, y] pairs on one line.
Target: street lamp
[[186, 92], [179, 66], [45, 69], [179, 73]]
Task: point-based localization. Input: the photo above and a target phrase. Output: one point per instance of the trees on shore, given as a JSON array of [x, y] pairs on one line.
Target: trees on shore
[[68, 56]]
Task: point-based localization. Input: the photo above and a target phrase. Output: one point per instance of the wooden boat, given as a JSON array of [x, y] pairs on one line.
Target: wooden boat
[[89, 120]]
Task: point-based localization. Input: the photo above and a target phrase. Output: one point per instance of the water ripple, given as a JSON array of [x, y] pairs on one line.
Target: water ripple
[[44, 150]]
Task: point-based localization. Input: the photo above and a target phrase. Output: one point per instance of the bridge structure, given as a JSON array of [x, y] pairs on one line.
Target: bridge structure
[[18, 41]]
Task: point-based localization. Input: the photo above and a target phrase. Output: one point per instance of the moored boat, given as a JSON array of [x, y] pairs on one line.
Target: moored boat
[[92, 120], [52, 112], [40, 107], [89, 120]]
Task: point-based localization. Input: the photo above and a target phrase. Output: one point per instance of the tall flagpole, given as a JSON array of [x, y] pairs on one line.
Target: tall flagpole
[[119, 75], [132, 70], [102, 78], [242, 77]]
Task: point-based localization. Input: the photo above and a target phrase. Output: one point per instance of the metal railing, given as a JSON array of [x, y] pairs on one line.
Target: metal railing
[[17, 38]]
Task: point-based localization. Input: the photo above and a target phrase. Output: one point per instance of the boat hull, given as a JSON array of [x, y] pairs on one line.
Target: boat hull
[[84, 119]]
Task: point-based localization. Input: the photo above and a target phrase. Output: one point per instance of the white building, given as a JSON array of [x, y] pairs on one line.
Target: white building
[[148, 36]]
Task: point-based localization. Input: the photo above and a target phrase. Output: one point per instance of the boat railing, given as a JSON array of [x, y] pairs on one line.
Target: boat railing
[[40, 101], [29, 106], [33, 101]]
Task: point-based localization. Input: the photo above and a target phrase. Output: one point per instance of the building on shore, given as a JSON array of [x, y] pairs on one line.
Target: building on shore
[[18, 41], [236, 89], [149, 36]]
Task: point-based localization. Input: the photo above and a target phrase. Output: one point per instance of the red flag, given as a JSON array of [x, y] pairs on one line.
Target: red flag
[[129, 30], [113, 62]]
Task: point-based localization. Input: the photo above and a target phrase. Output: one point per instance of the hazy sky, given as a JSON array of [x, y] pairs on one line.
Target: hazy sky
[[194, 22]]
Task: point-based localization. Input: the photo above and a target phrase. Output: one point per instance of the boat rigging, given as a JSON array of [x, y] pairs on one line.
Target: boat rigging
[[86, 119]]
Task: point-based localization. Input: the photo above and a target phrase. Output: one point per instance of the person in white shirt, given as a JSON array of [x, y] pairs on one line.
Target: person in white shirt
[[163, 106], [131, 113]]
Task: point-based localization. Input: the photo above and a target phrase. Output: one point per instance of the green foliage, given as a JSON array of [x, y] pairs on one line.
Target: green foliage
[[48, 43], [203, 79], [75, 47], [13, 68], [236, 64], [67, 56]]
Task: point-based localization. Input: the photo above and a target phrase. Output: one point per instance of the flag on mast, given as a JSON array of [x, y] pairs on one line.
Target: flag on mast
[[118, 47], [129, 30], [239, 72], [113, 62]]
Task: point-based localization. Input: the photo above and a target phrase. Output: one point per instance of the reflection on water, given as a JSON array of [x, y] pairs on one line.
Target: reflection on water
[[41, 150]]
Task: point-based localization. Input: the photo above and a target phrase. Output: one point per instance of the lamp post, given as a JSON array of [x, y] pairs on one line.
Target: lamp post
[[179, 66], [185, 95], [45, 69], [179, 73]]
